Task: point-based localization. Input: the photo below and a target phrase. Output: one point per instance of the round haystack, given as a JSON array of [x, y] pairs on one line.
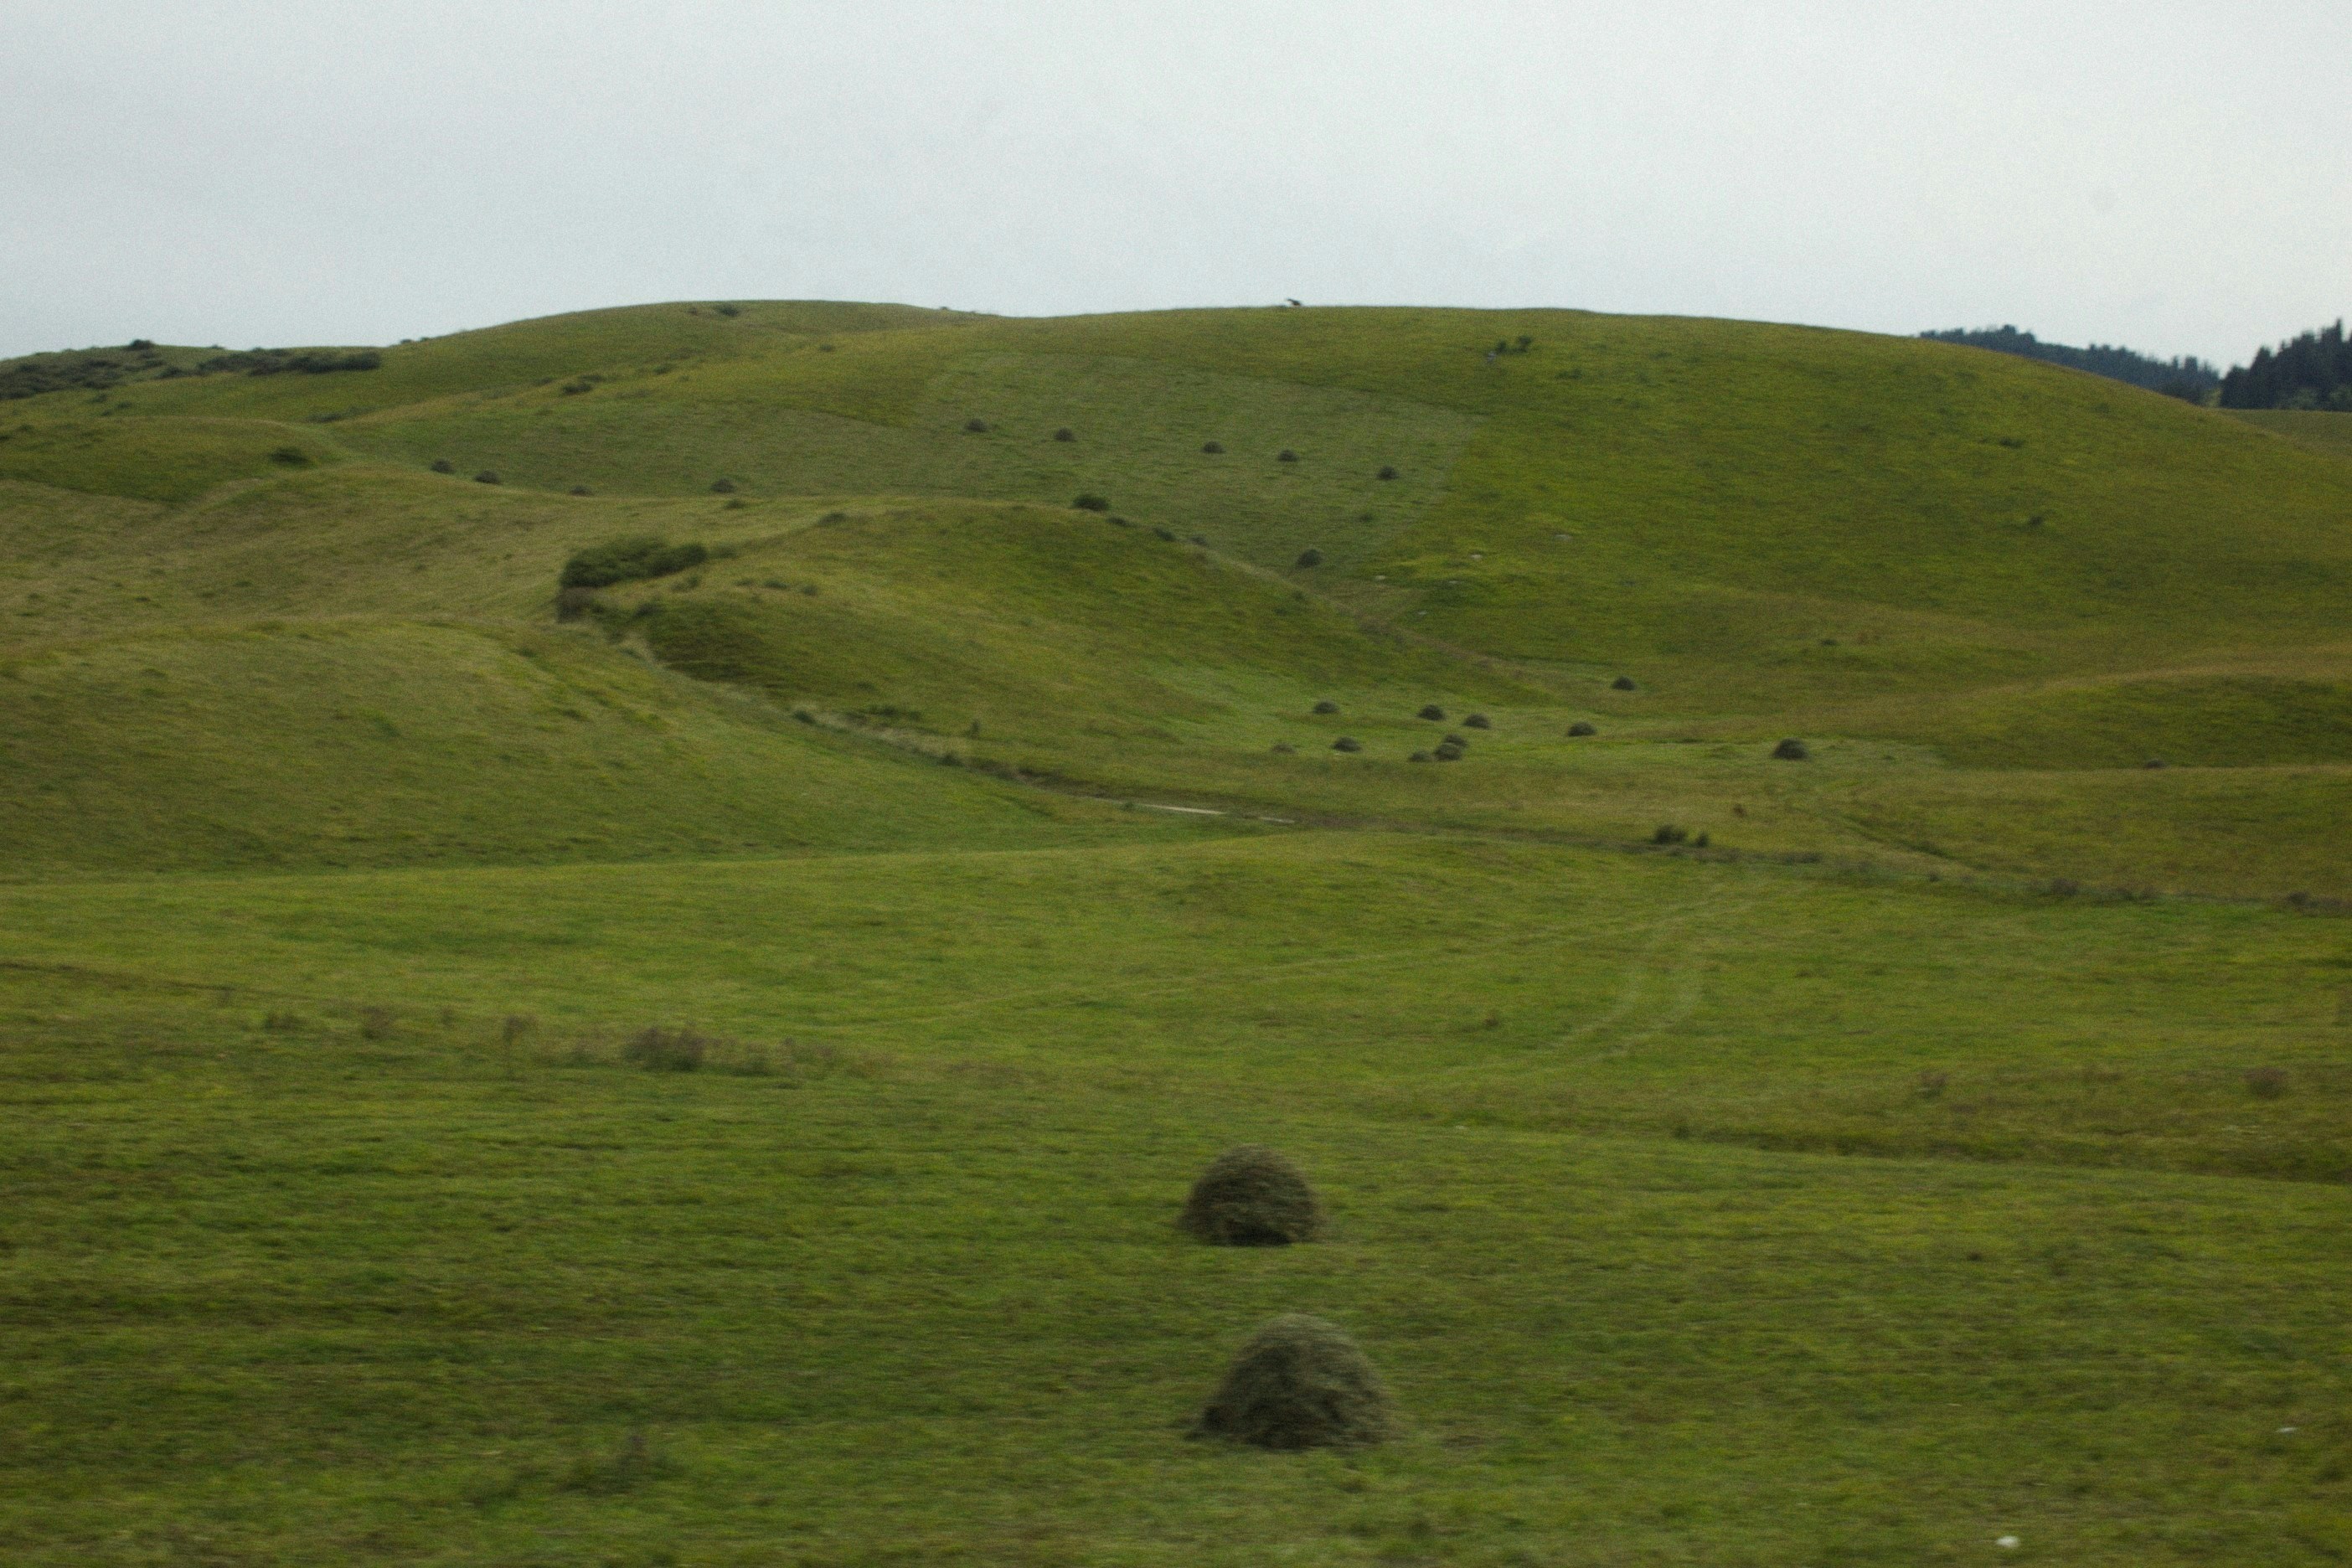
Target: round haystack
[[1252, 1196], [1300, 1383]]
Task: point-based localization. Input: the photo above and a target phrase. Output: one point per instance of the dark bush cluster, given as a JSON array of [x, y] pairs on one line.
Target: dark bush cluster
[[1285, 455], [629, 560], [488, 477], [1452, 748], [443, 466], [657, 1049], [292, 457], [1386, 472], [1310, 557], [1791, 751], [1668, 833], [280, 362], [722, 486], [1092, 502], [1213, 447], [1434, 713], [1623, 683], [1477, 722], [977, 426], [1066, 434], [1326, 706], [1581, 728], [1347, 744]]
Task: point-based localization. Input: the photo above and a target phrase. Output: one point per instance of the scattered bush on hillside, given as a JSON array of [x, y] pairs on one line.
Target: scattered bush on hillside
[[1450, 750], [657, 1049], [571, 604], [1701, 842], [1285, 455], [1668, 833], [977, 426], [1166, 533], [1524, 343], [2153, 762], [1091, 502], [375, 1023], [1791, 751], [574, 388], [729, 311], [1299, 1382], [488, 477], [1066, 434], [293, 456], [1213, 447], [1310, 557], [722, 486], [1419, 757], [1386, 472], [1477, 722], [276, 362], [1117, 522], [581, 490], [1326, 706], [1199, 539], [1252, 1196], [443, 466], [1581, 728], [632, 559], [1623, 683], [2266, 1083], [1347, 744], [1434, 713]]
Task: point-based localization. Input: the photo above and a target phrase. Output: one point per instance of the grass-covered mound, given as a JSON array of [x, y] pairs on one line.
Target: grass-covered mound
[[1252, 1196], [1299, 1382]]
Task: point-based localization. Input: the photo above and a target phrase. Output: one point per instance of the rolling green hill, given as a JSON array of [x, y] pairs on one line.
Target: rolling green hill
[[1047, 752]]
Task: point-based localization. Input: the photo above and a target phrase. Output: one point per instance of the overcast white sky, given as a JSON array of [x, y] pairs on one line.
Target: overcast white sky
[[2177, 177]]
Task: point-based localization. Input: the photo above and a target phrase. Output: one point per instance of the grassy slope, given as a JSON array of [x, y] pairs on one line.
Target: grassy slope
[[318, 1291], [912, 1295]]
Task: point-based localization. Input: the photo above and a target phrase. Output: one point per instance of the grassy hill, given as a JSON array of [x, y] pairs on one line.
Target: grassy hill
[[1853, 1157]]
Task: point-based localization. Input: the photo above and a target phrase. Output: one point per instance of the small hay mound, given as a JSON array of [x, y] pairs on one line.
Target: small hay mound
[[1434, 713], [1252, 1196], [1299, 1382], [1213, 447], [1477, 722], [1347, 744], [1791, 751], [443, 466], [1326, 706], [1623, 683], [1310, 557], [1581, 728]]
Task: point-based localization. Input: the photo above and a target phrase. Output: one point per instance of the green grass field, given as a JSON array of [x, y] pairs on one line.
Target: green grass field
[[1853, 1158]]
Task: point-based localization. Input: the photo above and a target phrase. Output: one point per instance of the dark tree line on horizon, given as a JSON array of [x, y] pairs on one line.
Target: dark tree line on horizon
[[2314, 371], [2188, 377]]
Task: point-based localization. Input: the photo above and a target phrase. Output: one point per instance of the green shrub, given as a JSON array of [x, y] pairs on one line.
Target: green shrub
[[488, 477], [1668, 833], [443, 466], [1310, 557], [1347, 744], [1285, 455], [1386, 472], [571, 604], [581, 490], [1623, 683], [1252, 1196], [977, 426], [657, 1049], [1419, 757], [722, 486], [293, 456], [1326, 706], [1091, 502], [1434, 713], [1066, 434], [1299, 1382], [1213, 448], [632, 559], [1477, 722], [1581, 728], [1791, 751]]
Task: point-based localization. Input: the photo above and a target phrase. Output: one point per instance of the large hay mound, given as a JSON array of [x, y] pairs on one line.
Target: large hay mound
[[1252, 1196], [1300, 1383]]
